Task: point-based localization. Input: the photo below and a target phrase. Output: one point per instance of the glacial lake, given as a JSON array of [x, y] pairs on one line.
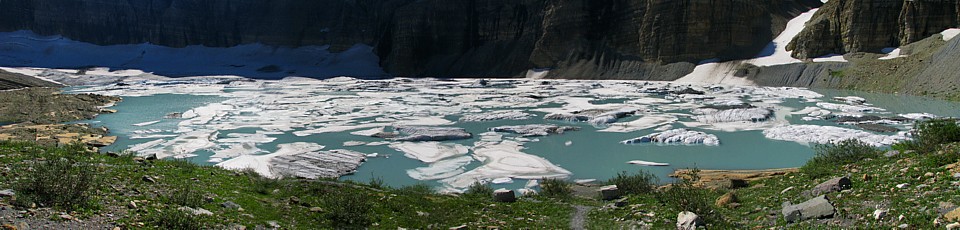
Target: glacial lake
[[259, 116]]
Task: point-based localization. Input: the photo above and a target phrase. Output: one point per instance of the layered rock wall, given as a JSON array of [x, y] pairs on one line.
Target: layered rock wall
[[464, 38]]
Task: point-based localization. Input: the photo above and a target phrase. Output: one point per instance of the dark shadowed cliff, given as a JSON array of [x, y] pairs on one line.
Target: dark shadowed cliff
[[844, 26], [632, 39]]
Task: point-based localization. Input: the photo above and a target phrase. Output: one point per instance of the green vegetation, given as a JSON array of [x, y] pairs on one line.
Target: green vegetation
[[555, 188], [162, 194], [830, 157], [116, 181], [640, 183]]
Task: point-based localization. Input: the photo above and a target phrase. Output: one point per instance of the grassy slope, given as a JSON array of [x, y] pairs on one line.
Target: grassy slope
[[288, 202]]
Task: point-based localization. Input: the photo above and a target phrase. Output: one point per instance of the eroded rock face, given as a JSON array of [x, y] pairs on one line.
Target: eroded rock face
[[635, 39], [869, 25]]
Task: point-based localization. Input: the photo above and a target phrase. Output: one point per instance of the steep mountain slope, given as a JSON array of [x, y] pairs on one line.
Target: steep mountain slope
[[843, 26], [635, 39]]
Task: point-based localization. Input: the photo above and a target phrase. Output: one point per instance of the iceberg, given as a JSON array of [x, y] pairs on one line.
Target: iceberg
[[430, 151], [504, 160], [646, 163], [496, 115], [828, 134], [676, 136], [432, 133], [534, 130]]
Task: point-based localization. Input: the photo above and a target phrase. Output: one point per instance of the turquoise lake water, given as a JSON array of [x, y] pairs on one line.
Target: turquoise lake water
[[590, 155]]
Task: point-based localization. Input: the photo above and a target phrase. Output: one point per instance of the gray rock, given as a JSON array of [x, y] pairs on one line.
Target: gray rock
[[832, 185], [196, 211], [149, 179], [230, 205], [461, 227], [7, 193], [688, 221], [504, 195], [891, 153], [727, 184], [432, 134], [816, 208], [879, 214], [609, 192]]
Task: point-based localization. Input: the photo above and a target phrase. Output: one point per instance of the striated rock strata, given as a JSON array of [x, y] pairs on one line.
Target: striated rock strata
[[627, 39]]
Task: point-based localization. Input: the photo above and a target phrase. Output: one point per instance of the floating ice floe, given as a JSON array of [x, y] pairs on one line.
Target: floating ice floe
[[534, 130], [432, 134], [735, 115], [504, 160], [849, 108], [594, 117], [430, 151], [853, 100], [918, 116], [646, 121], [647, 163], [676, 136], [827, 134], [496, 115], [146, 123], [442, 169]]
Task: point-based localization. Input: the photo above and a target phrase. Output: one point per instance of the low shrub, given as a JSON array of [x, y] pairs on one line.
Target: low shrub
[[186, 196], [928, 135], [68, 183], [173, 219], [478, 189], [348, 210], [640, 183], [416, 189], [829, 157], [684, 196], [556, 188]]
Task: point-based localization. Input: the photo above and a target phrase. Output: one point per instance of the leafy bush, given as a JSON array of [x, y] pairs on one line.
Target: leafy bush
[[68, 183], [185, 196], [417, 189], [175, 220], [478, 189], [376, 182], [348, 210], [830, 157], [640, 183], [556, 188], [928, 135], [262, 185], [684, 196]]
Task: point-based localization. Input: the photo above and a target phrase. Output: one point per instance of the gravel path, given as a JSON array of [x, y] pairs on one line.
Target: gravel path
[[579, 217]]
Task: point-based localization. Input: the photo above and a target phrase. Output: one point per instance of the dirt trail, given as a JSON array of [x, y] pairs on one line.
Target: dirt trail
[[579, 217]]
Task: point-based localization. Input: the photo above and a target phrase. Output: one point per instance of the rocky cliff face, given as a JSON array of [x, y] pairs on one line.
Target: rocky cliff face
[[843, 26], [491, 38]]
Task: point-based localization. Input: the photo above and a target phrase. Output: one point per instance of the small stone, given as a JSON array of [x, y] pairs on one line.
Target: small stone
[[904, 185], [688, 221], [620, 202], [953, 215], [902, 226], [786, 190], [953, 226], [230, 205], [149, 179], [928, 174], [727, 199], [879, 214], [461, 227], [832, 185], [866, 177], [316, 209], [132, 205], [117, 228], [891, 153], [273, 224], [8, 227], [151, 157], [66, 217], [7, 193]]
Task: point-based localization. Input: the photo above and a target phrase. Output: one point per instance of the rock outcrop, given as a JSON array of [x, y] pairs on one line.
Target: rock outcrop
[[841, 27], [627, 39]]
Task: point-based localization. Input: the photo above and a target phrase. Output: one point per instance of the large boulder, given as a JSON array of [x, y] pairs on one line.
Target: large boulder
[[816, 208], [832, 185], [688, 221], [504, 195], [609, 192], [726, 184], [727, 200]]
